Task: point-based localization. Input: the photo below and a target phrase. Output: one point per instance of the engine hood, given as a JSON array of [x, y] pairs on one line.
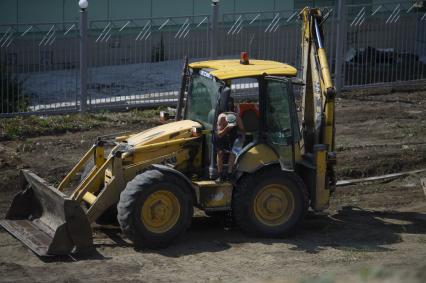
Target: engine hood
[[166, 132]]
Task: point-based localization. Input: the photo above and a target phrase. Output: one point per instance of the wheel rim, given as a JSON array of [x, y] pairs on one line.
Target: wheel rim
[[274, 204], [160, 211]]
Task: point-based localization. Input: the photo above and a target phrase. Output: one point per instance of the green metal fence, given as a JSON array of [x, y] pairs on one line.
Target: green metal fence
[[137, 62]]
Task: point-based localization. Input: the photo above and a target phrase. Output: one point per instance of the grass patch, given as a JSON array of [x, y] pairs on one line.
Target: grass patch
[[415, 131], [24, 127], [324, 278], [368, 273]]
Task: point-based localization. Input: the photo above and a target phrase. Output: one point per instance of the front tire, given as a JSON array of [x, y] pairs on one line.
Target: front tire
[[269, 203], [154, 209]]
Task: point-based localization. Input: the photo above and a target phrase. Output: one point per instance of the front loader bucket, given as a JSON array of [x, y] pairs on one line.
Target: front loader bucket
[[46, 220]]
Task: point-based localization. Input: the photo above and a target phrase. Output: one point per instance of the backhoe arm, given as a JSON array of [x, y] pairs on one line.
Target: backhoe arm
[[318, 102]]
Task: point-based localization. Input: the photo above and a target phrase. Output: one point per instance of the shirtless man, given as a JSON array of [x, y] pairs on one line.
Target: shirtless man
[[228, 125]]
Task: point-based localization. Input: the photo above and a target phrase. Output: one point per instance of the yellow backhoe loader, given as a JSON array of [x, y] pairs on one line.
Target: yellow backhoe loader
[[156, 177]]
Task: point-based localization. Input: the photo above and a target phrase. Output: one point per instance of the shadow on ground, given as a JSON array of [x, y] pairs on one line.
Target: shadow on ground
[[351, 228]]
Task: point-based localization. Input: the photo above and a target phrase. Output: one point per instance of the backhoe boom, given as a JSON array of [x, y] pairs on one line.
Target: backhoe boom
[[318, 96]]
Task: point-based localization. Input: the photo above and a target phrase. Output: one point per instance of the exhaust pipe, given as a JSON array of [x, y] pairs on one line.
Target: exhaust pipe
[[46, 220]]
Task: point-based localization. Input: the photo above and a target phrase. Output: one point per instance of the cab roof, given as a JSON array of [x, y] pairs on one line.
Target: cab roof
[[233, 69]]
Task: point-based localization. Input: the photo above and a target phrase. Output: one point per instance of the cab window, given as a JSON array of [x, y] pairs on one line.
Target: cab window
[[202, 98], [279, 113]]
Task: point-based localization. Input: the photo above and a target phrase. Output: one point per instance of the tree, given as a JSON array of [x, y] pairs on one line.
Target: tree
[[12, 97]]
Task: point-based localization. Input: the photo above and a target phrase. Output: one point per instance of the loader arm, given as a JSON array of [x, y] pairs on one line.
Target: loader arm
[[51, 222], [318, 101]]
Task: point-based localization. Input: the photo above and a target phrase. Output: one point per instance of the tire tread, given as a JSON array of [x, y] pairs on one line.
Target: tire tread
[[242, 195], [129, 198]]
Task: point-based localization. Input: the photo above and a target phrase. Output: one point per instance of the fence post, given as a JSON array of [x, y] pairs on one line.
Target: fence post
[[214, 29], [341, 37], [83, 54]]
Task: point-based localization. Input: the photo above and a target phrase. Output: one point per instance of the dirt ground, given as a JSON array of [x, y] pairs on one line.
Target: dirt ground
[[372, 232]]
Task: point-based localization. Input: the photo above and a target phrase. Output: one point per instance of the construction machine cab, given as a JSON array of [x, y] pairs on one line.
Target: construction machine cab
[[263, 97]]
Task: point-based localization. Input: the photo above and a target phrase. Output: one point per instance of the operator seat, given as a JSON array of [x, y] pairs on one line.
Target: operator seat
[[249, 114], [250, 120]]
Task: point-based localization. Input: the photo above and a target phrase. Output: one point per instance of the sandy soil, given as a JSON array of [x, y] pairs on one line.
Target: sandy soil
[[372, 232]]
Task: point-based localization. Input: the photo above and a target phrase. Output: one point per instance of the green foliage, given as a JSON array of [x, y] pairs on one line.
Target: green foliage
[[12, 98], [368, 273], [324, 278]]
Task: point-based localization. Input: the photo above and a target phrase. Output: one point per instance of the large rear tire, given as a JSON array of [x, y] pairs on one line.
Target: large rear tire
[[269, 203], [154, 209]]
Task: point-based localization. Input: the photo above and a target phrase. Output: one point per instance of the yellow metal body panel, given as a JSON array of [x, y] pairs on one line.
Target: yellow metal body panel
[[166, 132], [297, 152], [165, 140], [328, 136], [214, 195], [325, 71], [322, 194], [255, 157], [184, 154], [233, 69]]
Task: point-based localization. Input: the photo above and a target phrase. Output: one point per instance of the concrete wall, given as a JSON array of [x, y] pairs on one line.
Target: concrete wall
[[31, 11]]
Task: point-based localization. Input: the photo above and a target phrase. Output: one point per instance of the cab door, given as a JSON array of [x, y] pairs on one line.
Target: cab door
[[281, 129]]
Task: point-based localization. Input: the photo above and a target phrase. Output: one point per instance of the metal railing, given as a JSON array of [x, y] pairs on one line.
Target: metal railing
[[138, 62], [385, 43], [39, 67]]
